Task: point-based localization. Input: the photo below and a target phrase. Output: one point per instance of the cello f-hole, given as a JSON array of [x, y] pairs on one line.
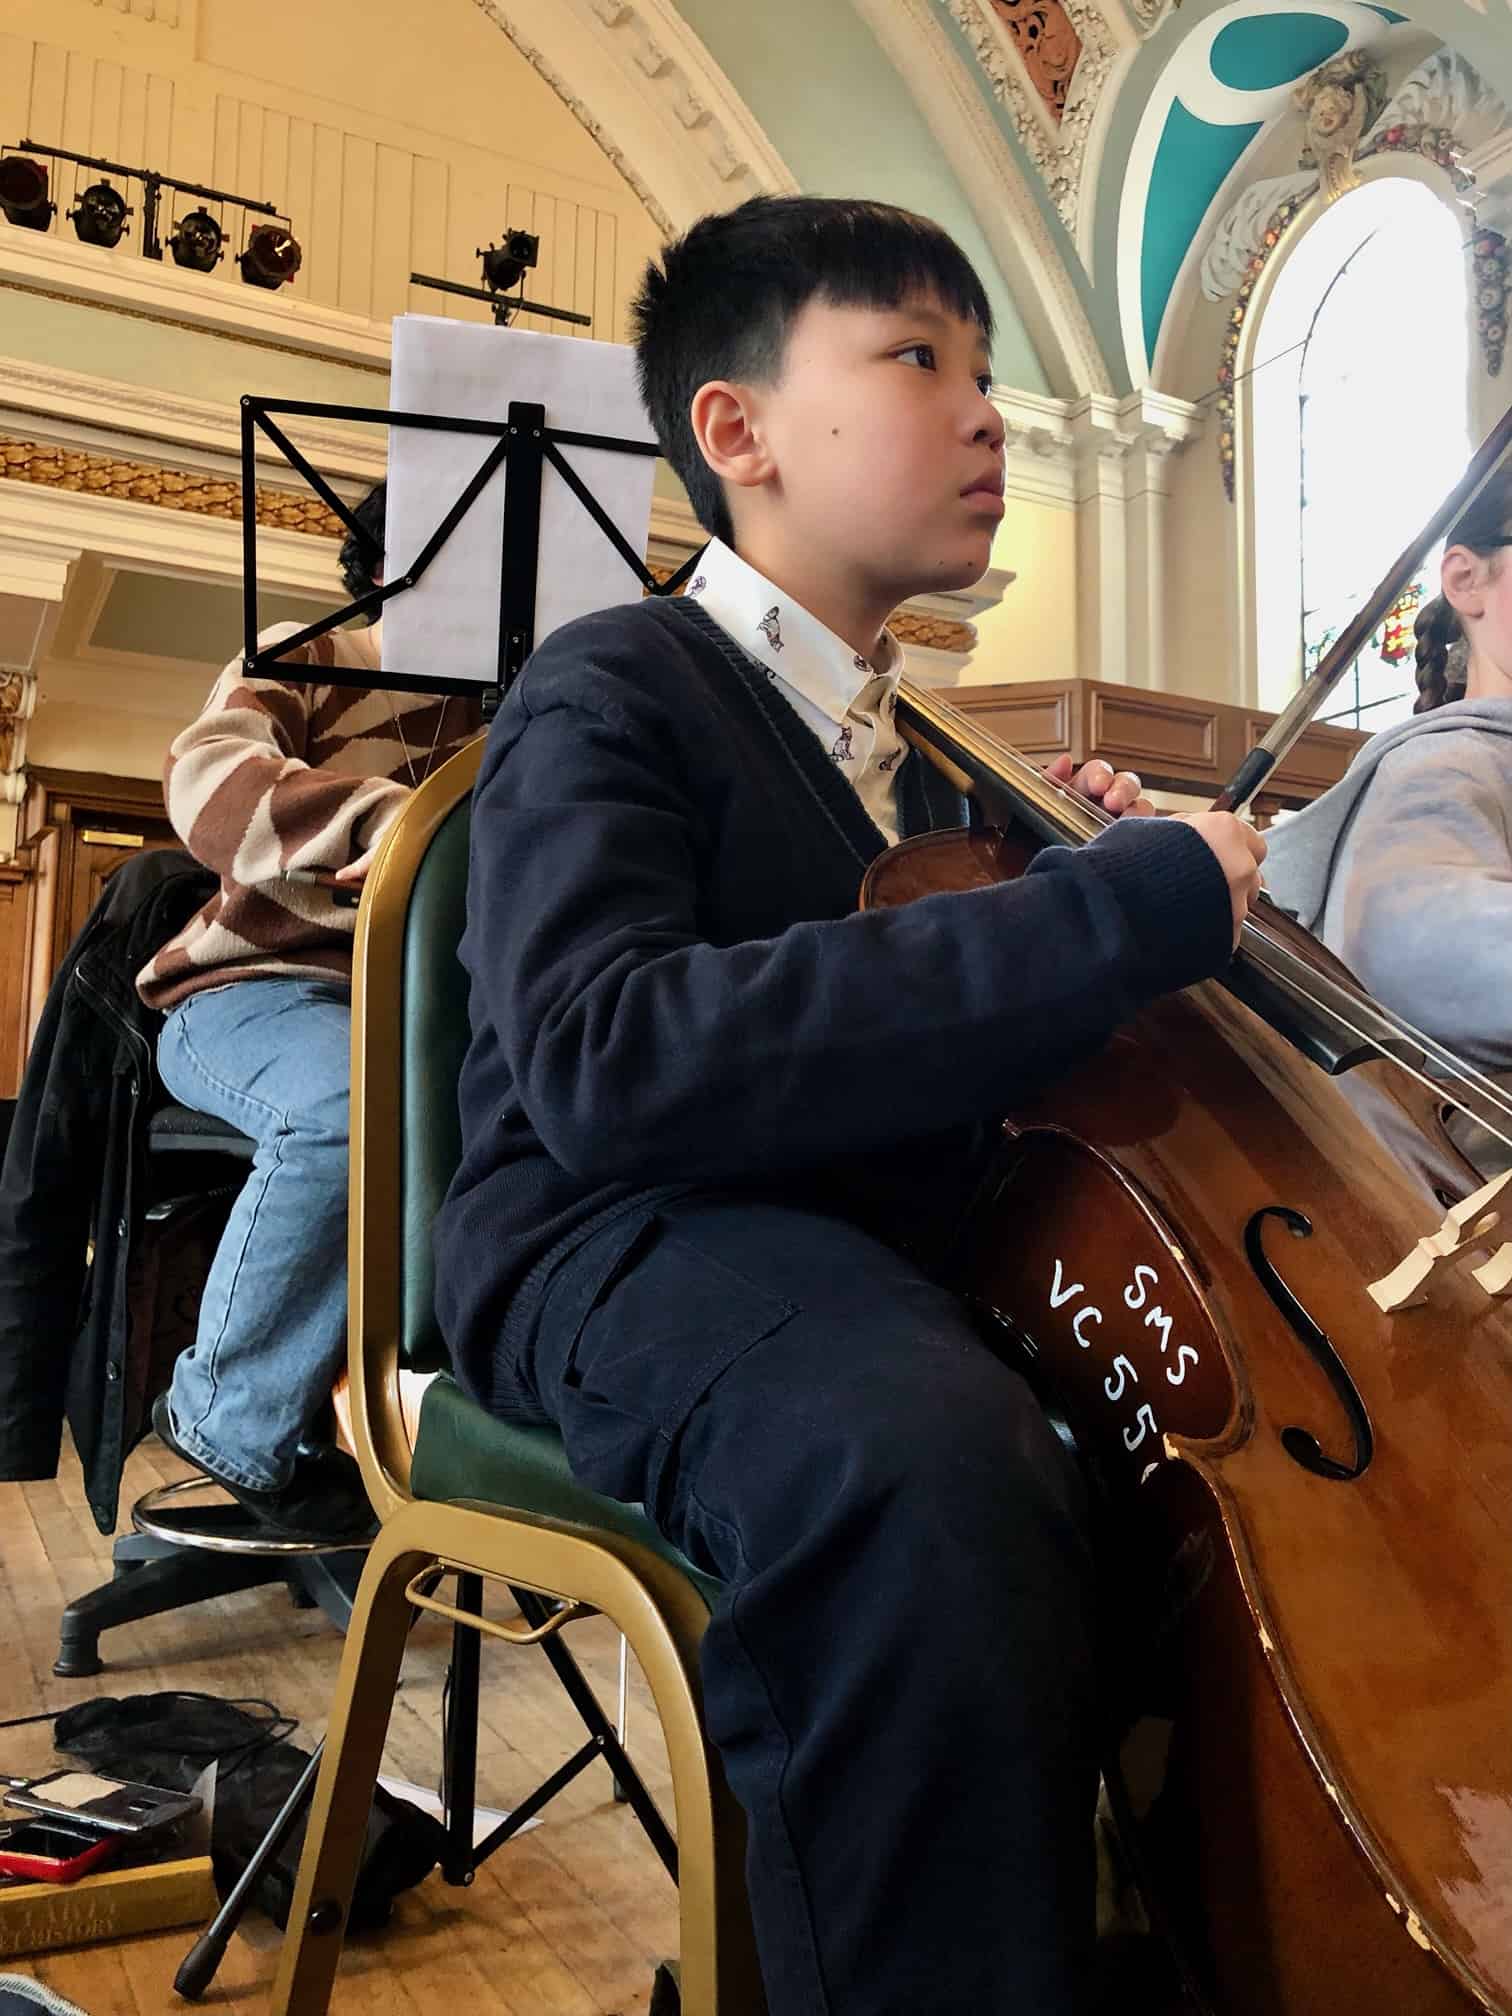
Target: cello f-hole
[[1299, 1443]]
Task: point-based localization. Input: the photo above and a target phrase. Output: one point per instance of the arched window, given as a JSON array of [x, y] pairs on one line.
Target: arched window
[[1360, 389]]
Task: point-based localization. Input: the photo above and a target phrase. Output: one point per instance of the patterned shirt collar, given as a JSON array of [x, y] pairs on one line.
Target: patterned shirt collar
[[782, 636]]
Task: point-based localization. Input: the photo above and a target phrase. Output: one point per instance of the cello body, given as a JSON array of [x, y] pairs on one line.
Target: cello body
[[1307, 1504]]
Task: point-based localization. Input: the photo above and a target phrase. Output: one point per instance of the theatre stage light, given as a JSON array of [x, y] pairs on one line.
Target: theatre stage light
[[100, 216], [272, 256], [197, 242], [23, 192], [505, 265]]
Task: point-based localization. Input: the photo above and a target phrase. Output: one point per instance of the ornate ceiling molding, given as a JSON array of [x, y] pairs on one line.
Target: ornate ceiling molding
[[1439, 116], [1148, 14], [981, 160], [1057, 151], [637, 78], [78, 409]]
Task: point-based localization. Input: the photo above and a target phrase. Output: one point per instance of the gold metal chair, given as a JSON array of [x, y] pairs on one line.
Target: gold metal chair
[[474, 1497]]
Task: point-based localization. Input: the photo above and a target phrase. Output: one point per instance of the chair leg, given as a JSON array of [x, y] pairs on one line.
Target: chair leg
[[460, 1759], [349, 1771], [149, 1588], [622, 1717]]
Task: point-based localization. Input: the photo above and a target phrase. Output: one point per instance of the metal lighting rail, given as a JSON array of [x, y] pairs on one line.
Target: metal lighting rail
[[153, 185], [503, 305]]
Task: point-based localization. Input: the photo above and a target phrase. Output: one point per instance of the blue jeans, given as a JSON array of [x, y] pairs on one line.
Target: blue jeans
[[273, 1058]]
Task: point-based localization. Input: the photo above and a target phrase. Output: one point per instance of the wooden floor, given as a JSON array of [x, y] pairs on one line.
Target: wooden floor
[[568, 1920]]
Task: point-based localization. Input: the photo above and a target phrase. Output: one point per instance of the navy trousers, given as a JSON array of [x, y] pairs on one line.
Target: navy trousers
[[900, 1678]]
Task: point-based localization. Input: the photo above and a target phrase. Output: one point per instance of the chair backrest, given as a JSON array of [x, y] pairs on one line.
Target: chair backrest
[[409, 1038]]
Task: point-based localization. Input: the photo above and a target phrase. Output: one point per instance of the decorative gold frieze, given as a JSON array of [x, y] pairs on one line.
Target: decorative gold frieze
[[169, 489], [932, 633]]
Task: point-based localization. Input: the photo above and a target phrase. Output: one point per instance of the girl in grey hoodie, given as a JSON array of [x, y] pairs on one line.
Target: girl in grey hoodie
[[1404, 868]]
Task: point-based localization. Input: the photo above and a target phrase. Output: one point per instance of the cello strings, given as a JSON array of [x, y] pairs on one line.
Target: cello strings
[[1344, 1003], [1070, 810], [1456, 1068], [1441, 1089]]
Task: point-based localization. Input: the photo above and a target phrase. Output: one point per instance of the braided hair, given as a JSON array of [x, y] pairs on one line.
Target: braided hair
[[1443, 651]]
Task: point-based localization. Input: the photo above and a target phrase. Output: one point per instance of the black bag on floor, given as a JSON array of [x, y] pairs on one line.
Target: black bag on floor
[[168, 1739]]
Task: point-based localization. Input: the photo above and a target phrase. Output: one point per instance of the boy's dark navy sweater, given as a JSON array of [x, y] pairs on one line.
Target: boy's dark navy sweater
[[672, 988]]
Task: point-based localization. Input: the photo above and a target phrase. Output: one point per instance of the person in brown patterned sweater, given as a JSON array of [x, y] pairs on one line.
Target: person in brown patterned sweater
[[275, 776]]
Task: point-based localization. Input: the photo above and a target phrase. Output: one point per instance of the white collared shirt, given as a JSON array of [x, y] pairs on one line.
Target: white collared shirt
[[832, 689]]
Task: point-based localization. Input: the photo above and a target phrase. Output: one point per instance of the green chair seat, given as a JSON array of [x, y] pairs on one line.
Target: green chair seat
[[462, 1452]]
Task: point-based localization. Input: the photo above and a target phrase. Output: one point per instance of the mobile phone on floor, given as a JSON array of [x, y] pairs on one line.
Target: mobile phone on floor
[[109, 1805], [51, 1851]]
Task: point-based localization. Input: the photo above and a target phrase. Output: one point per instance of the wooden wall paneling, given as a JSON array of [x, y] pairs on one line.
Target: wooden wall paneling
[[324, 255], [224, 146], [517, 213], [299, 197], [1176, 742], [540, 218], [393, 230], [366, 211], [105, 132], [1035, 717], [1150, 731], [605, 279], [541, 285], [359, 168], [428, 234], [272, 184], [17, 54], [1319, 759], [15, 973], [44, 856], [585, 264], [569, 221], [131, 133], [62, 814], [77, 128], [157, 149], [49, 83], [470, 202], [247, 169]]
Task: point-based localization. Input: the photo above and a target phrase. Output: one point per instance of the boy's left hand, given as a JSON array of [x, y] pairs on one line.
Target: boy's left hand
[[1117, 791]]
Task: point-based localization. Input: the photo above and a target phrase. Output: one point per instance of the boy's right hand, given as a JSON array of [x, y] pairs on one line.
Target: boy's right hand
[[1238, 850]]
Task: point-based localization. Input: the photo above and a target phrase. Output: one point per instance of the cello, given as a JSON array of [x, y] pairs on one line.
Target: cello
[[1307, 1495]]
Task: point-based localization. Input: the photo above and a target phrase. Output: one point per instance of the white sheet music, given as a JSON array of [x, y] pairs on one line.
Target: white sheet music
[[448, 626]]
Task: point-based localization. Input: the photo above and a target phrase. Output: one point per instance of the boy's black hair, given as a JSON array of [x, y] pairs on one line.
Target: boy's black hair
[[723, 298], [357, 564]]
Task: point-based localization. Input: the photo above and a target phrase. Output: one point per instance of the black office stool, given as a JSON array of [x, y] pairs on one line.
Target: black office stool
[[181, 1553]]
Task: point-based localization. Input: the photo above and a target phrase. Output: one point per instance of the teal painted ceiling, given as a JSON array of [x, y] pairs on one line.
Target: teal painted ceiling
[[1190, 165], [1223, 87], [1272, 49]]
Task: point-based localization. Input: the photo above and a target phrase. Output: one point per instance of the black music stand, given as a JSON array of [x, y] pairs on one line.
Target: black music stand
[[523, 445]]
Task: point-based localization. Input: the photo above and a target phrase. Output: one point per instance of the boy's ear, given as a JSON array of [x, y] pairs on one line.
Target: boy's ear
[[726, 421], [1463, 578]]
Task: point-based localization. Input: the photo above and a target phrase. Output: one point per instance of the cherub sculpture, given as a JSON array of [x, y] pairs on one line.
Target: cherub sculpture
[[1339, 102]]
